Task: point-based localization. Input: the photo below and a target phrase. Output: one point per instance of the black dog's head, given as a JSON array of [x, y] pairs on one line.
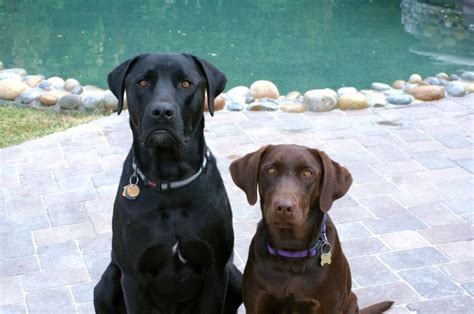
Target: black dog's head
[[165, 95]]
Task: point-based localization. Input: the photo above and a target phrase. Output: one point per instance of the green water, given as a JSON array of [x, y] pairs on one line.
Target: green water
[[298, 44]]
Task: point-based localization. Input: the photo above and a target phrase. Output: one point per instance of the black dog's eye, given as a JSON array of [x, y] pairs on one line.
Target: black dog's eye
[[185, 84], [143, 83]]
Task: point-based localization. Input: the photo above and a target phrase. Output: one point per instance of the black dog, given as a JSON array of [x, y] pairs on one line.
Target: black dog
[[172, 223]]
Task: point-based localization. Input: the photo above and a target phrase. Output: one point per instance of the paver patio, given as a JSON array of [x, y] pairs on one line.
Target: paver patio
[[406, 223]]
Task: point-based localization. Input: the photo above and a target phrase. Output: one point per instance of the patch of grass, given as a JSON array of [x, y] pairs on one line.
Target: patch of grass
[[18, 125]]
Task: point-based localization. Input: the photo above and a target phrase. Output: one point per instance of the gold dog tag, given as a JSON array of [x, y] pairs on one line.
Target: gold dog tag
[[131, 191], [326, 258]]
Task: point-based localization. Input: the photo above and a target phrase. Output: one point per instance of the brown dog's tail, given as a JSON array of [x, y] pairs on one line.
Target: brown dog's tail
[[377, 308]]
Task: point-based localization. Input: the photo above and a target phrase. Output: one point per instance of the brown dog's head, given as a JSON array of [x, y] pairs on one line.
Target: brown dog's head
[[292, 180]]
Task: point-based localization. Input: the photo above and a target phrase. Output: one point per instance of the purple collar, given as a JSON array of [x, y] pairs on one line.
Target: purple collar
[[313, 251]]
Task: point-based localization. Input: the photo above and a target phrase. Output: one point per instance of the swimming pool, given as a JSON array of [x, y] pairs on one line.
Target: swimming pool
[[299, 45]]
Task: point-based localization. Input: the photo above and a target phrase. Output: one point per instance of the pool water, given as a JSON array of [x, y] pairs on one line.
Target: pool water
[[299, 45]]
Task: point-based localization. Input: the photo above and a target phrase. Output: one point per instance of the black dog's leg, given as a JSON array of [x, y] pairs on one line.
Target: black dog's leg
[[108, 296], [211, 297], [233, 298], [136, 295]]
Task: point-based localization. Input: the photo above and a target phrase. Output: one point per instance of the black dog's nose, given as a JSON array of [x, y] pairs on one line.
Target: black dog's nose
[[163, 110], [284, 207]]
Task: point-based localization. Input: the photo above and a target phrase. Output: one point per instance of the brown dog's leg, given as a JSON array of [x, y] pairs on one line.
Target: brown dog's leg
[[265, 304]]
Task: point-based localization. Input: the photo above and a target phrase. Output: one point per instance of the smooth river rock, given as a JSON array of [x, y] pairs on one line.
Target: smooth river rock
[[50, 98], [56, 82], [264, 89], [400, 99], [69, 102], [45, 85], [427, 92], [110, 101], [18, 71], [34, 80], [433, 81], [294, 95], [293, 106], [9, 75], [393, 92], [376, 100], [352, 102], [442, 76], [415, 79], [70, 84], [11, 88], [265, 104], [398, 84], [469, 88], [219, 103], [408, 87], [234, 106], [468, 76], [380, 87], [92, 100], [346, 90], [320, 99], [455, 89], [30, 94], [238, 94]]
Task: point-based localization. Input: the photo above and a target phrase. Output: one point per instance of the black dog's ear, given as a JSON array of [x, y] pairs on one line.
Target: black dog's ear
[[116, 80], [335, 183], [244, 172], [215, 81]]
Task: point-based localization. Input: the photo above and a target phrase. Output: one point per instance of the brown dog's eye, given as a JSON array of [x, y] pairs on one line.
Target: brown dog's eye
[[143, 83], [185, 84], [271, 170], [307, 173]]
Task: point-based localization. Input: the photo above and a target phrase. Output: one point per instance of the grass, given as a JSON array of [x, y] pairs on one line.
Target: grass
[[18, 125]]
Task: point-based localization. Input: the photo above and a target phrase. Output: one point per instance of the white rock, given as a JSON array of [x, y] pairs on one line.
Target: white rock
[[320, 99], [346, 90], [56, 82], [238, 94]]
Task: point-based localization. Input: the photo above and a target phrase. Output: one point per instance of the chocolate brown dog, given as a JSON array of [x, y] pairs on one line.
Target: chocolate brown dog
[[295, 262]]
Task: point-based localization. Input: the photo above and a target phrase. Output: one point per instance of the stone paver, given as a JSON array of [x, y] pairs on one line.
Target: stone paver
[[405, 225]]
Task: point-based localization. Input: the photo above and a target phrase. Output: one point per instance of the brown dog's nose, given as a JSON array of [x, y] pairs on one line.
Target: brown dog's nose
[[284, 207], [163, 110]]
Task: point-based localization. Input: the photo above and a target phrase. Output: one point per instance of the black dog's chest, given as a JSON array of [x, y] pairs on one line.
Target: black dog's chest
[[160, 225]]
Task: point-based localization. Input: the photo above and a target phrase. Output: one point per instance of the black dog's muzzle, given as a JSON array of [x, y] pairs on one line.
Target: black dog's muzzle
[[162, 125]]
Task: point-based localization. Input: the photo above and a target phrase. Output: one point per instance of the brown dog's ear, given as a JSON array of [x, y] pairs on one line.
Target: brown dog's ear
[[215, 81], [116, 80], [244, 172], [335, 183]]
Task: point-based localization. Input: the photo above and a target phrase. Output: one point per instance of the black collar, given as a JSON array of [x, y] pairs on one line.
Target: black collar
[[170, 185]]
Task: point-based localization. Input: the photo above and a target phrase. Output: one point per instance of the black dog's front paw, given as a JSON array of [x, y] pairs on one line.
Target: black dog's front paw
[[197, 253]]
